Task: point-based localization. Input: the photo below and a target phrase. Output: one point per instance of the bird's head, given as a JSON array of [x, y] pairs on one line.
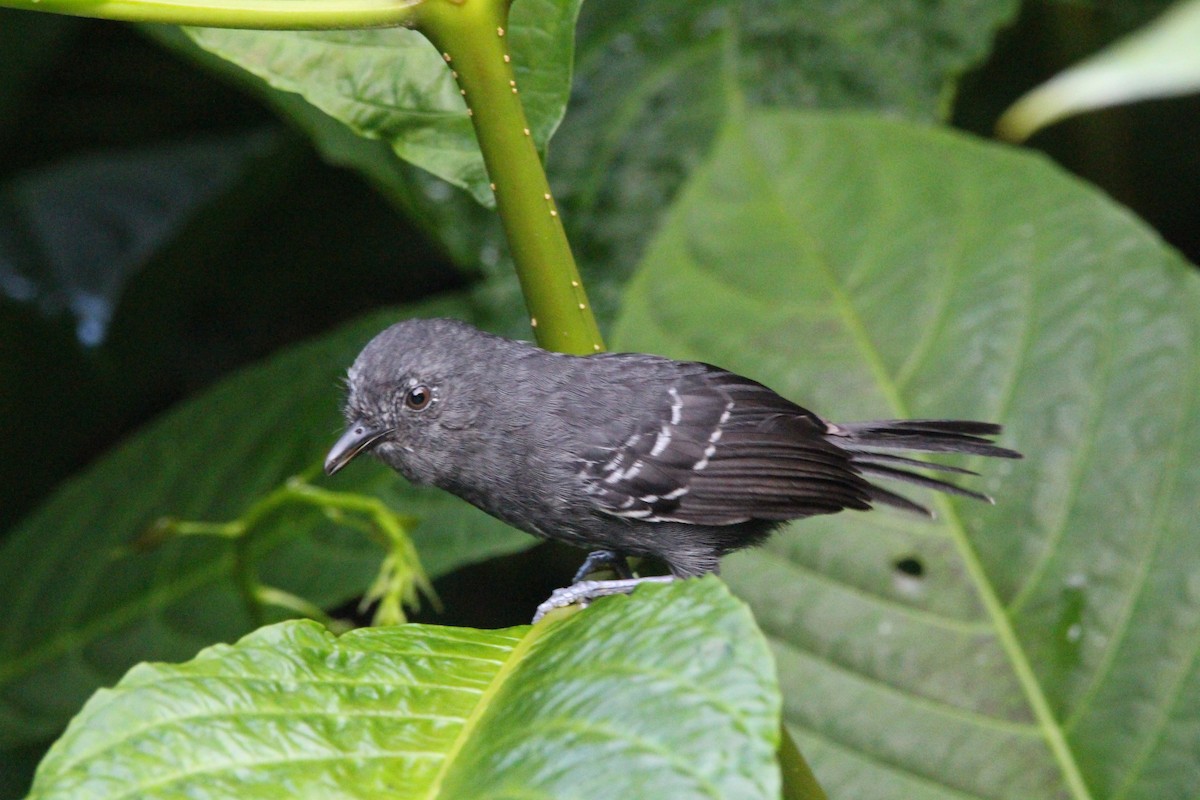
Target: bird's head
[[403, 404]]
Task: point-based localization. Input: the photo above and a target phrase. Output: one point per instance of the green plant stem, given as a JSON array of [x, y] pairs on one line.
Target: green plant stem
[[401, 579], [250, 14], [471, 35]]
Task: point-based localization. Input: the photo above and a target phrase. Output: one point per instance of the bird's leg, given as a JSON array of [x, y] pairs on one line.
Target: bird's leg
[[599, 559], [584, 592]]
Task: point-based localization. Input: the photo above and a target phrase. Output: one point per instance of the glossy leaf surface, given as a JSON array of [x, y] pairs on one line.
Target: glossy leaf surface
[[391, 84], [670, 693]]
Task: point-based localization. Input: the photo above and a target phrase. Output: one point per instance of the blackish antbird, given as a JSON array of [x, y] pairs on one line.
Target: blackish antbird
[[622, 453]]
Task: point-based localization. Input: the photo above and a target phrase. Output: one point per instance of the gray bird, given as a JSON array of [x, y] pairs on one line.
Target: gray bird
[[623, 454]]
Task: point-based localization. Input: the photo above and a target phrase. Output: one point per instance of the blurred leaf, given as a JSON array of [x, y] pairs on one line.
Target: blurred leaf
[[657, 78], [573, 708], [1160, 60], [73, 234], [391, 84], [1042, 648], [79, 610]]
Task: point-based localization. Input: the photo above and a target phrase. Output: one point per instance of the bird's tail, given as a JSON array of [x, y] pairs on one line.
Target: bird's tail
[[865, 440]]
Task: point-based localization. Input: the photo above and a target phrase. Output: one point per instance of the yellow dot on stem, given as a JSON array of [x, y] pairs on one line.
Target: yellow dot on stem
[[507, 58], [447, 57], [499, 31], [533, 322]]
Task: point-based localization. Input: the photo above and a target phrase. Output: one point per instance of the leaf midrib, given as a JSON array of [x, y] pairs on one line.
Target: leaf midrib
[[515, 658], [1004, 631]]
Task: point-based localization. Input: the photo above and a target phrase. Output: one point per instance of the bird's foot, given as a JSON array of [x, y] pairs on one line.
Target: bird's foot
[[603, 559], [584, 592]]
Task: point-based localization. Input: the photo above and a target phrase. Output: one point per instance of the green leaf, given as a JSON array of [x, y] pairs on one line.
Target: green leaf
[[670, 693], [874, 269], [1160, 60], [656, 79], [80, 609], [391, 84]]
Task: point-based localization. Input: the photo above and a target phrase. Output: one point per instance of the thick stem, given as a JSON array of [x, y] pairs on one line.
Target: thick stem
[[471, 35]]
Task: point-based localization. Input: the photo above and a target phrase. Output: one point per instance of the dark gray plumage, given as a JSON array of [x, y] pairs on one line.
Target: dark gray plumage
[[634, 454]]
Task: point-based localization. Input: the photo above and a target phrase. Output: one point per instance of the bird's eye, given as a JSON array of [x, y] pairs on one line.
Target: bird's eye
[[418, 398]]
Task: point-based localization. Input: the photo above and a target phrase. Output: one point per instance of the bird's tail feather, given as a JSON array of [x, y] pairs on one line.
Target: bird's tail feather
[[864, 440], [922, 435]]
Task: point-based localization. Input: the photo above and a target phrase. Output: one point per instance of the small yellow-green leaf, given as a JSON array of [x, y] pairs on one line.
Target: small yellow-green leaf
[[1160, 60]]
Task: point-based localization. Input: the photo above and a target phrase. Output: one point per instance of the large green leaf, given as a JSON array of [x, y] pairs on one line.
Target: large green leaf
[[670, 693], [391, 84], [1044, 647], [656, 78], [80, 610]]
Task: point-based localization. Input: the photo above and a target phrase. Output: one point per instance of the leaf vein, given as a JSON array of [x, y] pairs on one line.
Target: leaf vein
[[1032, 689]]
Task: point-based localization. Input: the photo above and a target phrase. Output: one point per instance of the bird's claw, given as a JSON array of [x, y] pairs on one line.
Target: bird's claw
[[603, 559], [584, 592]]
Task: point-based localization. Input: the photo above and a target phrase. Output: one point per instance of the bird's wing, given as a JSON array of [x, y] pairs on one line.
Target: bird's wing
[[721, 449]]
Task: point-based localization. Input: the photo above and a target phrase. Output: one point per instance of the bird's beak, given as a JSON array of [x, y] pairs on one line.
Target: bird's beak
[[358, 438]]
